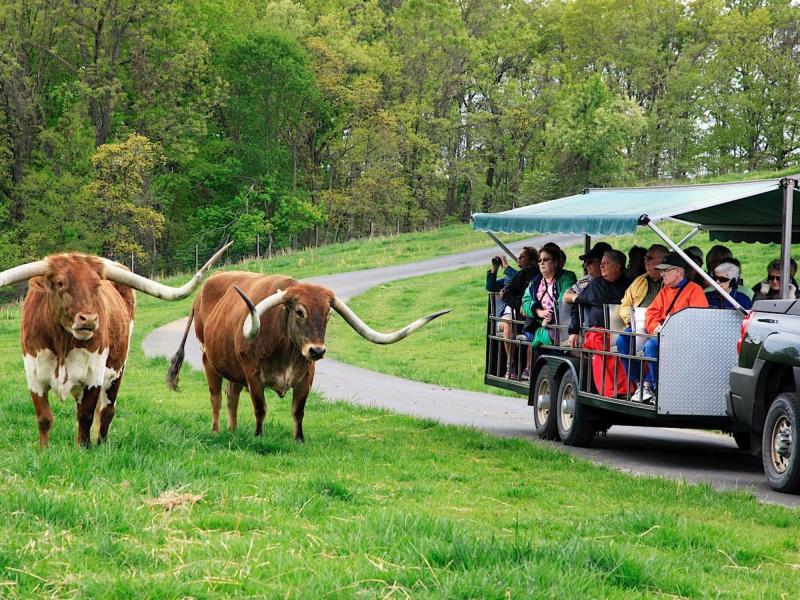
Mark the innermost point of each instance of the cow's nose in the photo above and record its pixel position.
(86, 321)
(316, 352)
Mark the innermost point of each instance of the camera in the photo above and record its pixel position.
(496, 261)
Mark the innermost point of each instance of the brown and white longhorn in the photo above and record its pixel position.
(77, 320)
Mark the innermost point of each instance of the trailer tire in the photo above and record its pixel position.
(573, 428)
(779, 450)
(544, 395)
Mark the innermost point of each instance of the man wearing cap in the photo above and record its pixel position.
(677, 293)
(591, 269)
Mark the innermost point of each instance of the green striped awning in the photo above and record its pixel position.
(742, 211)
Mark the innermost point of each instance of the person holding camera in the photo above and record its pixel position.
(509, 295)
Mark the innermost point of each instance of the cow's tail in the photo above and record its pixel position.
(176, 362)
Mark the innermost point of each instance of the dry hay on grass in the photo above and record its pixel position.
(172, 499)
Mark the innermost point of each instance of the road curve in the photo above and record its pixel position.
(688, 455)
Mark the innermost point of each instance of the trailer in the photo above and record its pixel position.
(699, 347)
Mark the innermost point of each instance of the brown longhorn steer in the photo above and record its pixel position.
(77, 320)
(272, 344)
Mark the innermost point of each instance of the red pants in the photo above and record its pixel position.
(604, 367)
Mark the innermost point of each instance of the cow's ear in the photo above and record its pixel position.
(39, 284)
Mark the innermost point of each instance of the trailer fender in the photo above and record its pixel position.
(558, 366)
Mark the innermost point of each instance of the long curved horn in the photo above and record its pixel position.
(23, 272)
(252, 326)
(113, 272)
(377, 337)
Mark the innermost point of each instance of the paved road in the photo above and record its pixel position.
(692, 456)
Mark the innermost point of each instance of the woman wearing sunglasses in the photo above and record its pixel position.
(726, 274)
(770, 288)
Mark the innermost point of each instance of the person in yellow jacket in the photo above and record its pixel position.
(677, 293)
(640, 293)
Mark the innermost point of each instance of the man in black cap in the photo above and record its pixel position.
(591, 268)
(677, 293)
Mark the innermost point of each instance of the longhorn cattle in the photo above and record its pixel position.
(77, 320)
(272, 344)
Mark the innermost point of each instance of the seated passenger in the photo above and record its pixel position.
(543, 296)
(727, 276)
(635, 262)
(718, 254)
(606, 289)
(696, 254)
(770, 288)
(677, 293)
(591, 269)
(511, 297)
(640, 293)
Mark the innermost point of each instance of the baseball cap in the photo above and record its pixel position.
(671, 261)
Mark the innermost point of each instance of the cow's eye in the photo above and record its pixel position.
(60, 285)
(299, 312)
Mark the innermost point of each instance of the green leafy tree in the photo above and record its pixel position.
(125, 220)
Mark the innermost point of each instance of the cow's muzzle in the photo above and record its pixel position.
(84, 325)
(315, 352)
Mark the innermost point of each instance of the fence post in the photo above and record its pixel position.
(132, 271)
(258, 246)
(196, 257)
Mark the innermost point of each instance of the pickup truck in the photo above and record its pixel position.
(764, 387)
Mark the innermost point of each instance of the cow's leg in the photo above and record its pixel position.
(214, 380)
(108, 409)
(44, 417)
(233, 390)
(256, 389)
(299, 396)
(86, 408)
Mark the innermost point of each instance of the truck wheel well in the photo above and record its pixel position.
(774, 380)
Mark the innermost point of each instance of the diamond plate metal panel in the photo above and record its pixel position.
(697, 350)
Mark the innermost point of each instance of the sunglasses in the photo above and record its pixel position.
(544, 260)
(721, 279)
(774, 277)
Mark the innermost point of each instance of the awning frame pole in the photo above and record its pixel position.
(690, 235)
(503, 247)
(645, 220)
(786, 234)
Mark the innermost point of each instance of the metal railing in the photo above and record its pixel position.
(501, 350)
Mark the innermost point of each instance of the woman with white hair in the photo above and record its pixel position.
(726, 274)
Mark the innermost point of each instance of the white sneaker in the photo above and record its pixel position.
(643, 393)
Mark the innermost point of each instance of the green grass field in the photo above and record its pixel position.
(373, 505)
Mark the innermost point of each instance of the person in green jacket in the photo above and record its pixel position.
(543, 297)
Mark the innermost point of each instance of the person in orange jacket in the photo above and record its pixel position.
(677, 293)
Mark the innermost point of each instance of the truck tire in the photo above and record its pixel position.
(544, 395)
(779, 451)
(573, 428)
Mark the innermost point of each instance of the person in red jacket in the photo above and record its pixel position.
(677, 293)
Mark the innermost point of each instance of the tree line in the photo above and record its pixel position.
(142, 128)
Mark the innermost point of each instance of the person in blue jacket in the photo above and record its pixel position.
(726, 274)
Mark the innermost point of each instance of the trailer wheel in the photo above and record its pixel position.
(544, 394)
(779, 449)
(573, 428)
